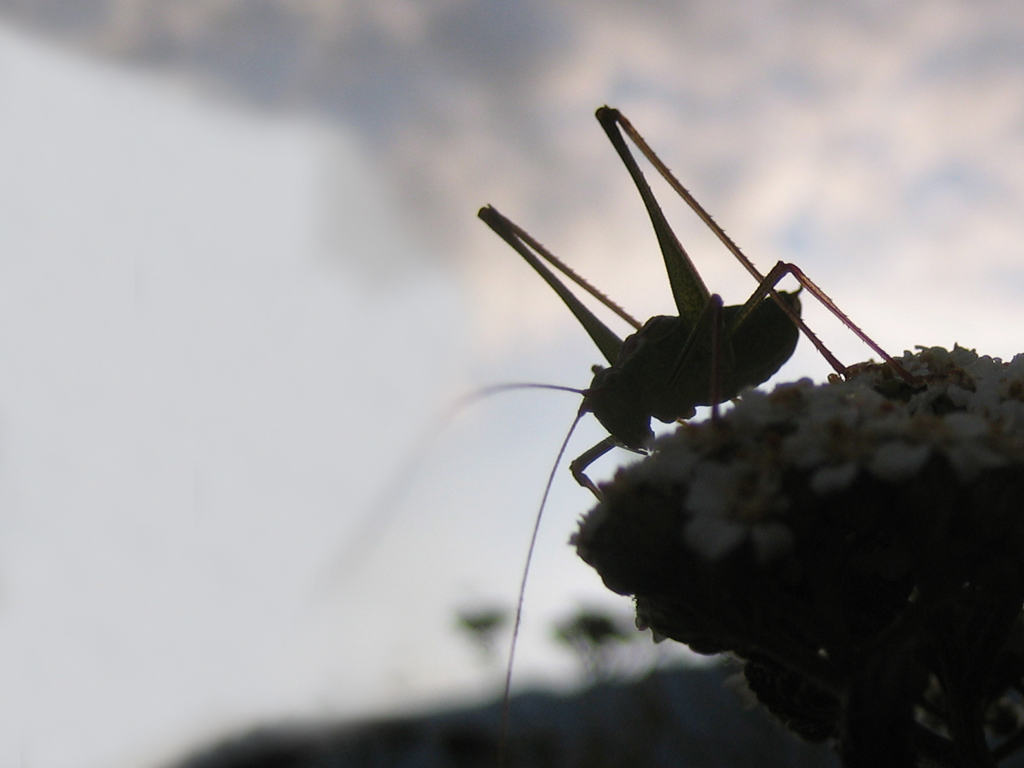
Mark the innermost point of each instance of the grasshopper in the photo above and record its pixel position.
(671, 365)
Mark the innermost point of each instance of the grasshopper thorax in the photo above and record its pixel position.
(640, 384)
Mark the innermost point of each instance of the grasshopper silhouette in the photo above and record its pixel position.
(671, 365)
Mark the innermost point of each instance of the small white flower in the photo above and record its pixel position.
(959, 396)
(713, 536)
(804, 448)
(753, 409)
(898, 460)
(714, 488)
(1015, 369)
(965, 426)
(675, 462)
(960, 356)
(830, 479)
(970, 459)
(1012, 414)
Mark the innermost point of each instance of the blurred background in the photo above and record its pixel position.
(241, 276)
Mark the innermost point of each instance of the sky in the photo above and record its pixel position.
(241, 276)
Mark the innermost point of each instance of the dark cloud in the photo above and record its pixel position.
(463, 102)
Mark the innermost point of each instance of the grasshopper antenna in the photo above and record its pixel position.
(506, 702)
(382, 511)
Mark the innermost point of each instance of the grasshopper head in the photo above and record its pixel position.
(615, 399)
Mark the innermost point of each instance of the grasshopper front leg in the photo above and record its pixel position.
(578, 465)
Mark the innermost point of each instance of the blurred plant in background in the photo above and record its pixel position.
(483, 626)
(594, 636)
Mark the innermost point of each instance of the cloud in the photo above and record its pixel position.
(868, 137)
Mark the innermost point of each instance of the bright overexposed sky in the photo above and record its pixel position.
(241, 274)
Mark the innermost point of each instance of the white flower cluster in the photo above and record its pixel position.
(969, 408)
